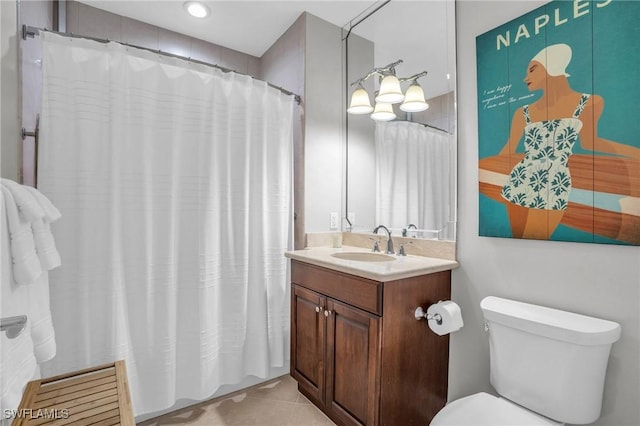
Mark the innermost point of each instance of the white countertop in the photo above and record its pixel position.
(402, 267)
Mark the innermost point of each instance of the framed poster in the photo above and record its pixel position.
(559, 124)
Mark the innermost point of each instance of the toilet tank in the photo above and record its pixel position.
(549, 361)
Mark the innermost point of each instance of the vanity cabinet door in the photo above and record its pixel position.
(353, 368)
(308, 327)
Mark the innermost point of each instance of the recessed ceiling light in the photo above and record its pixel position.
(196, 9)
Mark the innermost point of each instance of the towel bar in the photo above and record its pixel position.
(35, 134)
(13, 325)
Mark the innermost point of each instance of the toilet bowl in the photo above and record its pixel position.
(483, 409)
(547, 365)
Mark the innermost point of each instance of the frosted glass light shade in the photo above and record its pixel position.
(414, 99)
(390, 91)
(383, 112)
(360, 103)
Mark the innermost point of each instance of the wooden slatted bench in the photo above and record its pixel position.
(93, 396)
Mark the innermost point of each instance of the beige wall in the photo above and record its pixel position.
(592, 279)
(324, 145)
(283, 65)
(360, 134)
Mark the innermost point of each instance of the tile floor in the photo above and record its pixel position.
(275, 403)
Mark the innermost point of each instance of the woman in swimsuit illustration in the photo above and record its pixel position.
(538, 187)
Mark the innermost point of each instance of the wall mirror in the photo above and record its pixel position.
(401, 173)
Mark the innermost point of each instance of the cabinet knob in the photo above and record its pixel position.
(318, 308)
(327, 313)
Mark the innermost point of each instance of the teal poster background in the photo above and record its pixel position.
(604, 37)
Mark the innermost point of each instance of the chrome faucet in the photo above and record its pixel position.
(404, 230)
(389, 240)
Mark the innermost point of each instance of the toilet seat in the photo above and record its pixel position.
(483, 409)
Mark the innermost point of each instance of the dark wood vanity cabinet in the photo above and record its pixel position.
(358, 352)
(336, 356)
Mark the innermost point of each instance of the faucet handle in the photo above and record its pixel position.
(401, 251)
(376, 246)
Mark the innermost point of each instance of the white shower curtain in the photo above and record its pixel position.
(175, 185)
(413, 176)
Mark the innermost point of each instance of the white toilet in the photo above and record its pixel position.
(548, 365)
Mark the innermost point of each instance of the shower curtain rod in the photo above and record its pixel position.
(28, 31)
(427, 125)
(433, 127)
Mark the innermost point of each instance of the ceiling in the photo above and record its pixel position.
(418, 31)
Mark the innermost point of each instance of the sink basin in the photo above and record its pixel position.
(363, 256)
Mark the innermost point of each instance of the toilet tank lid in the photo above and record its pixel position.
(549, 322)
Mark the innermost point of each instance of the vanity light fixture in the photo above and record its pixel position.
(390, 93)
(196, 9)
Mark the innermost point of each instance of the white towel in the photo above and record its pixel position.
(40, 321)
(45, 244)
(17, 369)
(28, 251)
(28, 208)
(18, 364)
(25, 261)
(33, 207)
(51, 213)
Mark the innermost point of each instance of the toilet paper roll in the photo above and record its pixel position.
(451, 317)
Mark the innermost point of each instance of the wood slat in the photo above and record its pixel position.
(77, 373)
(110, 417)
(617, 226)
(75, 398)
(85, 414)
(77, 412)
(124, 399)
(28, 396)
(51, 386)
(108, 422)
(81, 386)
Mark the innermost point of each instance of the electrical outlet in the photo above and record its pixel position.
(333, 221)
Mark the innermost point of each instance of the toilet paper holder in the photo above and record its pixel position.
(421, 314)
